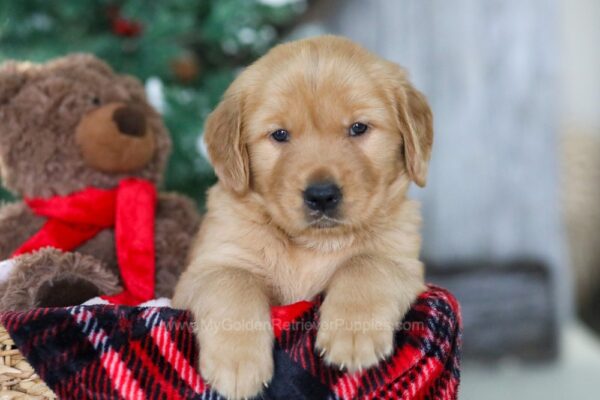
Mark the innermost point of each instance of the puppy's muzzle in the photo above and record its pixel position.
(322, 197)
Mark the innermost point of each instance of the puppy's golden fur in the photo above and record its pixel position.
(258, 245)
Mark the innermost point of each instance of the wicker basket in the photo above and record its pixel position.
(18, 380)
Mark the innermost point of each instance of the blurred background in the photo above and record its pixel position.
(512, 206)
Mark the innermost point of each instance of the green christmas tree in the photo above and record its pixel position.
(186, 51)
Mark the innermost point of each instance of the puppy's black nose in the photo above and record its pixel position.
(322, 196)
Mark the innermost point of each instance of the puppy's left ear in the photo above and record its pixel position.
(416, 126)
(225, 144)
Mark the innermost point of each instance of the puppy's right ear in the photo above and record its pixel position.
(225, 144)
(415, 123)
(13, 76)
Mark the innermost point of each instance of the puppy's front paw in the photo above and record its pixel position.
(354, 338)
(238, 365)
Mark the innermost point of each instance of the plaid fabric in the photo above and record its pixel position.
(119, 352)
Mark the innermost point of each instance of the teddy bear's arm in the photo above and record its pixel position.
(53, 278)
(17, 224)
(177, 221)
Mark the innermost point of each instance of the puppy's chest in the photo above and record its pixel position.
(302, 274)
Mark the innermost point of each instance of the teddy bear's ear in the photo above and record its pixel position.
(81, 60)
(134, 87)
(13, 76)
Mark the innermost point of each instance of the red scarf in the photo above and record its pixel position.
(78, 217)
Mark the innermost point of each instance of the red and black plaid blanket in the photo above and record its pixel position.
(119, 352)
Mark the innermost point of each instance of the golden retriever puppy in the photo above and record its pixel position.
(314, 145)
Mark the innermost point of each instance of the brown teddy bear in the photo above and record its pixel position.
(85, 150)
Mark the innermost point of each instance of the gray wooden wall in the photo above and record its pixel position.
(489, 69)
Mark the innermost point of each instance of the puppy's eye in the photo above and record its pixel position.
(281, 135)
(358, 128)
(96, 101)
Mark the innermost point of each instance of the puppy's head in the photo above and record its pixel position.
(323, 132)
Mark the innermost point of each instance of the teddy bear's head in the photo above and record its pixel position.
(73, 123)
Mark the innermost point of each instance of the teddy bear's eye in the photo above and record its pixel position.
(96, 101)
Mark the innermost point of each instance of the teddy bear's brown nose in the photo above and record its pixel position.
(116, 138)
(130, 121)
